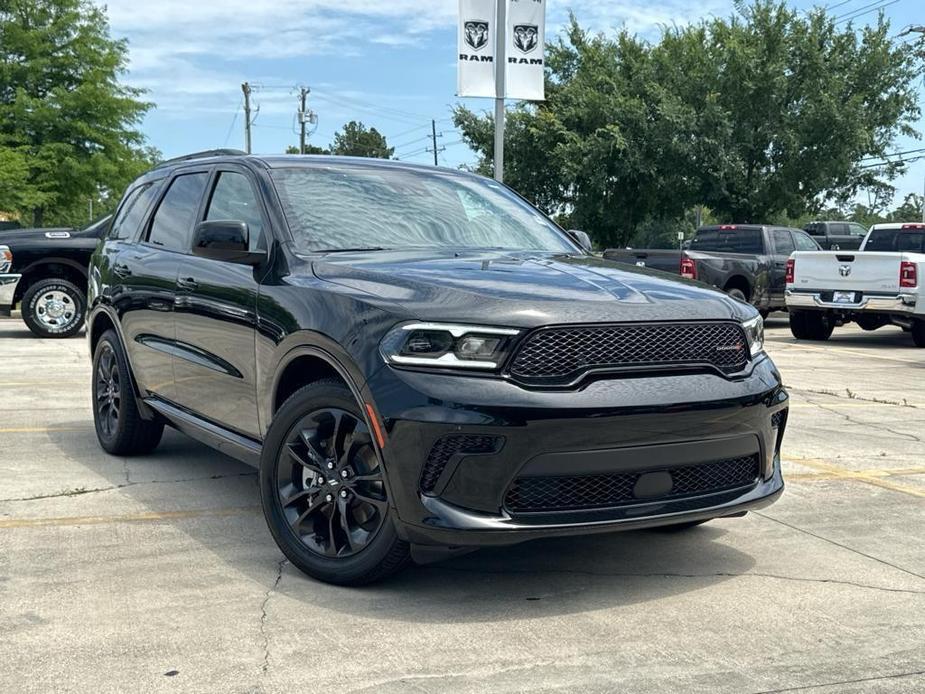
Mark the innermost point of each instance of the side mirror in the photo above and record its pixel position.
(581, 238)
(225, 240)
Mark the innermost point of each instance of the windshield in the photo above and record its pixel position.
(345, 208)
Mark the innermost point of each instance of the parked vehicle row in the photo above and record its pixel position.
(747, 261)
(876, 286)
(420, 363)
(44, 271)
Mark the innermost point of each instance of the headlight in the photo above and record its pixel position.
(754, 333)
(444, 344)
(6, 258)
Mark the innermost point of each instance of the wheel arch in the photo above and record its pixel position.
(63, 268)
(741, 283)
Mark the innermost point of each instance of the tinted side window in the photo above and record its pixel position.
(804, 242)
(857, 230)
(233, 199)
(838, 229)
(815, 229)
(133, 210)
(729, 241)
(783, 242)
(173, 222)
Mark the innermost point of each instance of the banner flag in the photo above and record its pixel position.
(525, 48)
(476, 44)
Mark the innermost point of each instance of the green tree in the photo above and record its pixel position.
(356, 140)
(309, 149)
(68, 126)
(766, 115)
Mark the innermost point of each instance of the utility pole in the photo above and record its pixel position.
(303, 94)
(246, 88)
(500, 34)
(433, 130)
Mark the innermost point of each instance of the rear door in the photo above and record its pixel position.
(840, 238)
(781, 246)
(148, 283)
(216, 314)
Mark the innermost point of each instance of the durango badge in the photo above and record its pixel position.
(476, 34)
(525, 37)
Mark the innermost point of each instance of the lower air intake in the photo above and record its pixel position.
(447, 447)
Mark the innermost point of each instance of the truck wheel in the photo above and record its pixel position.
(119, 426)
(737, 294)
(54, 307)
(323, 489)
(918, 332)
(811, 325)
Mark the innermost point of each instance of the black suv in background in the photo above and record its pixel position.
(837, 236)
(420, 362)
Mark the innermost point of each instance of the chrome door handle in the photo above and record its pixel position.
(188, 283)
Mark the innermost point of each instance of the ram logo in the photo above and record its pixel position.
(844, 270)
(525, 37)
(476, 33)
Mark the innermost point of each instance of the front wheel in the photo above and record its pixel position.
(54, 307)
(323, 489)
(811, 325)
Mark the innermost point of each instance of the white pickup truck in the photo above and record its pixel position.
(882, 283)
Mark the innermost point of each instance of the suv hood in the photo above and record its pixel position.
(15, 235)
(522, 289)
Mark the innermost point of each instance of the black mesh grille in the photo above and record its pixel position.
(447, 447)
(532, 494)
(778, 418)
(561, 354)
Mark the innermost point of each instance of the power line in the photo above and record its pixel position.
(894, 154)
(231, 127)
(854, 14)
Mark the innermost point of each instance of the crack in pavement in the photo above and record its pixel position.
(263, 616)
(838, 544)
(840, 682)
(664, 574)
(877, 427)
(852, 396)
(81, 492)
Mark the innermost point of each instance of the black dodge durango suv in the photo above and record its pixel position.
(420, 362)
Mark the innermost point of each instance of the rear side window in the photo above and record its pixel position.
(895, 240)
(233, 199)
(172, 226)
(857, 230)
(804, 242)
(838, 229)
(783, 242)
(729, 241)
(814, 229)
(133, 210)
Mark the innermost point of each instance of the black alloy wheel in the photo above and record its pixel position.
(330, 483)
(108, 391)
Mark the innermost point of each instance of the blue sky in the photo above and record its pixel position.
(390, 64)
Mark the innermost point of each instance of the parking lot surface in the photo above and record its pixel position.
(158, 574)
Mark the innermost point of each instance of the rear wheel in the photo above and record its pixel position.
(918, 332)
(54, 307)
(811, 325)
(120, 428)
(323, 489)
(737, 294)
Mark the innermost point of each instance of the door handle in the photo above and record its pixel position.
(121, 270)
(188, 283)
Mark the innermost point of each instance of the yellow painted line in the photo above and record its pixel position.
(864, 476)
(155, 516)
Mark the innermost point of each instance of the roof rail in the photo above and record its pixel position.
(203, 155)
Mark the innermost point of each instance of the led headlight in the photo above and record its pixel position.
(754, 333)
(447, 345)
(6, 258)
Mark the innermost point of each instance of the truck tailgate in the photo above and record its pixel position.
(848, 270)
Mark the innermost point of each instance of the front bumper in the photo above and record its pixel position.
(904, 304)
(615, 427)
(8, 284)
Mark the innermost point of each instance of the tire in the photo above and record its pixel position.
(737, 294)
(681, 527)
(320, 457)
(918, 332)
(54, 308)
(811, 325)
(120, 428)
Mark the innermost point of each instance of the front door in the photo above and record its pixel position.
(216, 316)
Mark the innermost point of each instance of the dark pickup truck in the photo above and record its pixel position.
(44, 271)
(836, 236)
(747, 261)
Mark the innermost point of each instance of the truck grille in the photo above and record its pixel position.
(537, 494)
(447, 447)
(563, 354)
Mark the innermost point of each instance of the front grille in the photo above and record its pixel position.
(778, 419)
(561, 354)
(447, 447)
(536, 494)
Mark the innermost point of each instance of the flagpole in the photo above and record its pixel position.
(500, 59)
